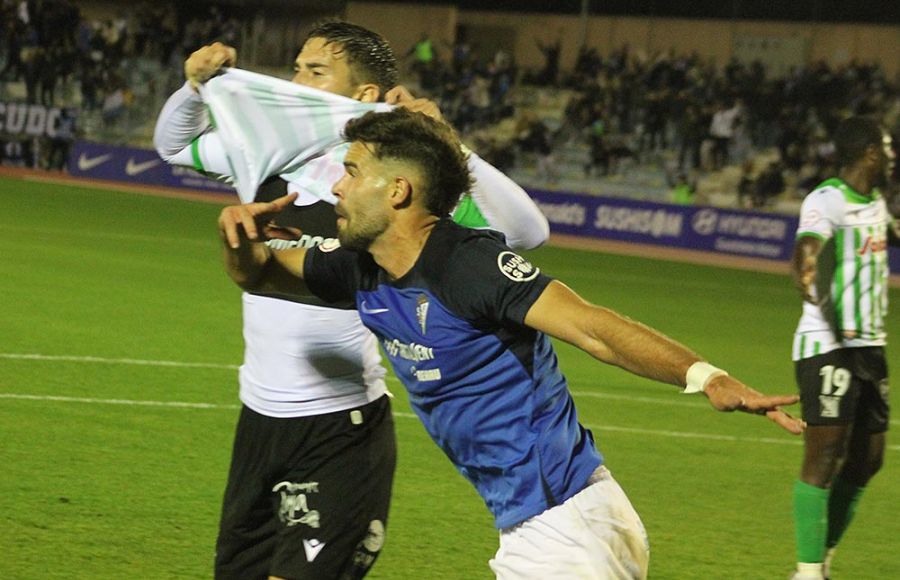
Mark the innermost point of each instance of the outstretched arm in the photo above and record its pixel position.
(618, 340)
(248, 261)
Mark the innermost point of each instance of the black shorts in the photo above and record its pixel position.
(307, 497)
(844, 386)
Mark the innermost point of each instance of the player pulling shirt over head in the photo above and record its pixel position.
(311, 374)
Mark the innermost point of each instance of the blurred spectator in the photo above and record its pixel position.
(424, 61)
(533, 136)
(549, 75)
(61, 144)
(722, 130)
(769, 184)
(598, 163)
(683, 189)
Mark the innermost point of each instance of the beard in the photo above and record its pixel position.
(359, 235)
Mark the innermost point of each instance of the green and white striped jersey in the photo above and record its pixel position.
(852, 271)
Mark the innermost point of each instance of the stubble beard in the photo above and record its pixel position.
(361, 237)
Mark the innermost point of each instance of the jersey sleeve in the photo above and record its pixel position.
(504, 206)
(332, 273)
(821, 213)
(485, 280)
(467, 213)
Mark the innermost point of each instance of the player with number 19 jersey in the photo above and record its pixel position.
(852, 282)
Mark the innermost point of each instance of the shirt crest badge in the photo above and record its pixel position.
(422, 311)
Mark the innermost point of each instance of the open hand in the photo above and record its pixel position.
(726, 393)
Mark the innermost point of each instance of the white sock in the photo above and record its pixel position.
(813, 570)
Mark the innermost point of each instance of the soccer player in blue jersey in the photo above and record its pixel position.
(466, 324)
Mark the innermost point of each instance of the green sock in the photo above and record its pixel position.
(810, 521)
(841, 507)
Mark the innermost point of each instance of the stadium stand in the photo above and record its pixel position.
(625, 123)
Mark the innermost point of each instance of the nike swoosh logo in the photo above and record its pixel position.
(86, 163)
(132, 168)
(312, 549)
(366, 310)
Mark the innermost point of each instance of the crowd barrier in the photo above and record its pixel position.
(135, 165)
(731, 232)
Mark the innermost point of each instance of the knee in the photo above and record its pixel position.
(819, 470)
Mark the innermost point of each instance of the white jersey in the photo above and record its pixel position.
(303, 358)
(852, 273)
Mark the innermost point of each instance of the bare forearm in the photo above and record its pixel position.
(246, 264)
(620, 341)
(609, 336)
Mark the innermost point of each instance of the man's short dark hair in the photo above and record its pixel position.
(429, 144)
(853, 136)
(369, 55)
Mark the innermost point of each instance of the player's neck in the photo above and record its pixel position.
(399, 247)
(858, 179)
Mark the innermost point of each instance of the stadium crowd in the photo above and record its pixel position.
(111, 72)
(680, 112)
(643, 108)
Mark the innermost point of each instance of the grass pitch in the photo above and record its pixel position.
(119, 340)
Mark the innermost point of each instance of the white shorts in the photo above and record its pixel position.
(595, 534)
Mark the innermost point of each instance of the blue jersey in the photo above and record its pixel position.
(487, 388)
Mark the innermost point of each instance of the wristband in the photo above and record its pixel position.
(698, 375)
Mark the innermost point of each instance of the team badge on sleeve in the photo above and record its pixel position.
(516, 268)
(329, 245)
(810, 219)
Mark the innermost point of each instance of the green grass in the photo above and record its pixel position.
(92, 488)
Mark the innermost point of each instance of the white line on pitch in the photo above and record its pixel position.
(667, 401)
(128, 402)
(115, 361)
(598, 428)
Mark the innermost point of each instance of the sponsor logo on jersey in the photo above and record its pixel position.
(86, 163)
(312, 547)
(132, 168)
(516, 268)
(422, 310)
(873, 245)
(304, 241)
(294, 508)
(408, 351)
(426, 375)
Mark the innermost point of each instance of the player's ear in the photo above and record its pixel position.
(367, 93)
(401, 192)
